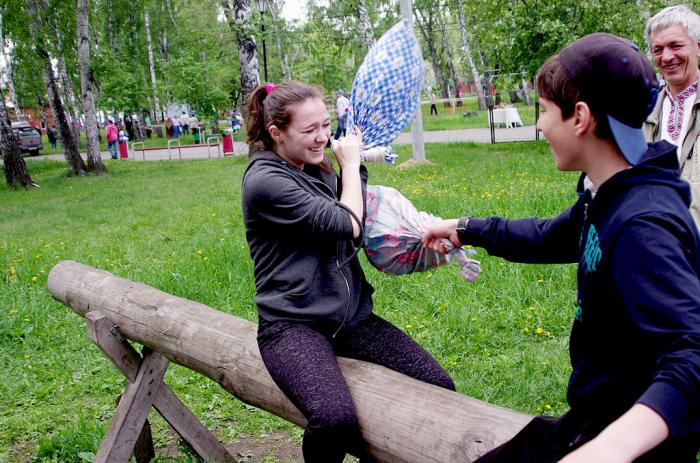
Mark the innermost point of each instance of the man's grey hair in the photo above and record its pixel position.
(678, 15)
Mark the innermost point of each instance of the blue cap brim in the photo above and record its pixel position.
(629, 139)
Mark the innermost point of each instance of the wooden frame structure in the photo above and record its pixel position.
(401, 419)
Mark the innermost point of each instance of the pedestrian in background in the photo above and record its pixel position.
(342, 111)
(112, 138)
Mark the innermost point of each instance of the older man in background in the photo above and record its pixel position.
(673, 35)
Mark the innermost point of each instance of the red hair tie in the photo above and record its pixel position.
(270, 87)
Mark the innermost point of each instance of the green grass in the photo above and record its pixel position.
(177, 226)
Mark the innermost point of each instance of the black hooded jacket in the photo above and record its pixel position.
(301, 242)
(636, 329)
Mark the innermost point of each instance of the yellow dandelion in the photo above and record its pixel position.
(526, 329)
(408, 326)
(548, 407)
(538, 330)
(206, 257)
(29, 366)
(34, 278)
(199, 251)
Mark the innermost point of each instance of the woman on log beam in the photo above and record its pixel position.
(303, 222)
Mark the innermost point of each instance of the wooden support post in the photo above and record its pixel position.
(127, 423)
(119, 443)
(143, 448)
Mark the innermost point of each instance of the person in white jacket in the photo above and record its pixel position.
(342, 108)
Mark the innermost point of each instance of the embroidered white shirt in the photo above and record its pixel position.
(675, 116)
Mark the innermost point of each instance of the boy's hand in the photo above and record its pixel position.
(438, 230)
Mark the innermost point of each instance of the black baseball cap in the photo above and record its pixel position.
(615, 78)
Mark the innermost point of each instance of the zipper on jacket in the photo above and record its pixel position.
(320, 185)
(347, 286)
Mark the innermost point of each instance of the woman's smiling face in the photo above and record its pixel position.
(304, 139)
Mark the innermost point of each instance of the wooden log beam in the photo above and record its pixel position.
(402, 419)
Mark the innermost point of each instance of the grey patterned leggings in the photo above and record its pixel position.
(301, 358)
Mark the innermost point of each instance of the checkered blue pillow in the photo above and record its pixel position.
(386, 91)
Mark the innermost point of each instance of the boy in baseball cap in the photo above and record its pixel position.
(635, 343)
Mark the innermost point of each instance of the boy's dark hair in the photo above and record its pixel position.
(553, 84)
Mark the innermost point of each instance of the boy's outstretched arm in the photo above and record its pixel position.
(553, 240)
(636, 432)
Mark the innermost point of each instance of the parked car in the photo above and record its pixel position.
(29, 138)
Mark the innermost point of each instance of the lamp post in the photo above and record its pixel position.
(261, 8)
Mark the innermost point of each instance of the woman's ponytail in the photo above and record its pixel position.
(258, 136)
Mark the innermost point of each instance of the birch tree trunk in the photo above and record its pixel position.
(74, 162)
(366, 29)
(15, 168)
(72, 102)
(164, 42)
(164, 45)
(470, 60)
(44, 115)
(486, 84)
(526, 91)
(426, 28)
(274, 14)
(169, 9)
(447, 53)
(110, 25)
(238, 18)
(10, 61)
(151, 64)
(87, 83)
